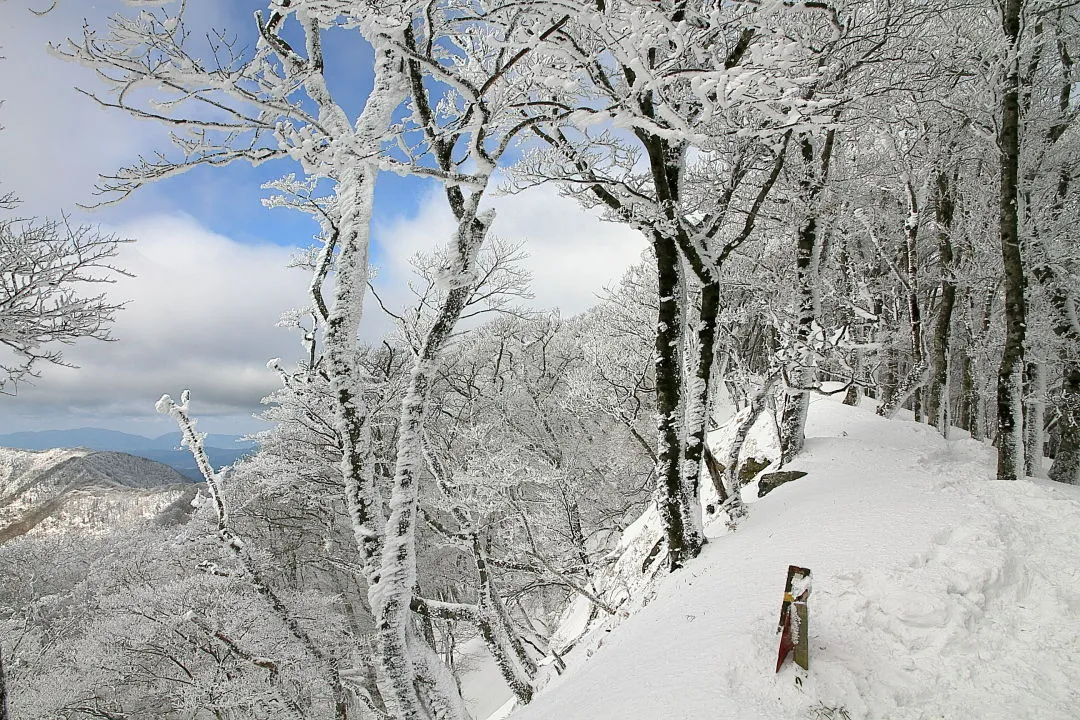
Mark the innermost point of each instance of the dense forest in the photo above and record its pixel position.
(869, 198)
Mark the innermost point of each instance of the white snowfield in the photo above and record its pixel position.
(938, 593)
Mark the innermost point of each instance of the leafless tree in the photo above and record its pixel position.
(46, 267)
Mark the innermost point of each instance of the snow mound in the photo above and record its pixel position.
(939, 592)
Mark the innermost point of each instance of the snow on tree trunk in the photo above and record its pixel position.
(696, 416)
(1066, 466)
(915, 323)
(669, 491)
(937, 401)
(355, 195)
(391, 594)
(793, 422)
(1010, 405)
(1034, 418)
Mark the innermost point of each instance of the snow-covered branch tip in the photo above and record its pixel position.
(194, 441)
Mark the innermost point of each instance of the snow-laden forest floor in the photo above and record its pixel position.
(938, 592)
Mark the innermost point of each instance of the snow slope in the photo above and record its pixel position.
(939, 592)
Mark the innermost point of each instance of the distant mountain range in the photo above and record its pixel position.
(222, 449)
(62, 489)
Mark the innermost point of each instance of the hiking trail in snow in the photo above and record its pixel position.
(939, 592)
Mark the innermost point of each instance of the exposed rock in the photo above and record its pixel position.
(773, 480)
(750, 468)
(652, 554)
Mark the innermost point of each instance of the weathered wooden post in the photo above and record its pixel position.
(794, 628)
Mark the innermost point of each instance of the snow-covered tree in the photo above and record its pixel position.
(48, 271)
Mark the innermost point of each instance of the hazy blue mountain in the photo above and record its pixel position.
(171, 441)
(92, 438)
(222, 449)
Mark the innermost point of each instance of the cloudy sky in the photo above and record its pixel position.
(209, 261)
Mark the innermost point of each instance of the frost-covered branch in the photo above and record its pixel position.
(45, 267)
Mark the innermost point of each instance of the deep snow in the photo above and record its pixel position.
(939, 592)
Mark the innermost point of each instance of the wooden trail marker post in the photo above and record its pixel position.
(793, 626)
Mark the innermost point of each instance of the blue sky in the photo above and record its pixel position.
(210, 259)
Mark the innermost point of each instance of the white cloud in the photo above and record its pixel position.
(203, 308)
(201, 315)
(55, 141)
(573, 254)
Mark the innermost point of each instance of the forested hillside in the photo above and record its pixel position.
(96, 492)
(868, 200)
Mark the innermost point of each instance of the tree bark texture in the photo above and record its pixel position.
(793, 423)
(668, 402)
(1034, 417)
(1066, 467)
(666, 159)
(937, 397)
(914, 307)
(1010, 405)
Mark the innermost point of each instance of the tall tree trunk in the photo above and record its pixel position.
(978, 365)
(668, 402)
(391, 594)
(967, 389)
(915, 322)
(412, 689)
(1010, 405)
(793, 422)
(937, 400)
(1034, 418)
(1066, 467)
(697, 405)
(666, 161)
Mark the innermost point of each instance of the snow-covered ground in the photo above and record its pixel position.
(938, 592)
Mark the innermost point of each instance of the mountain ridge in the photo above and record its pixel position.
(104, 439)
(222, 449)
(101, 491)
